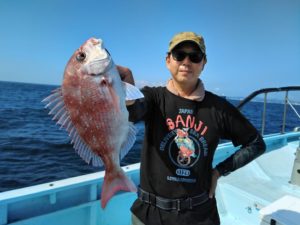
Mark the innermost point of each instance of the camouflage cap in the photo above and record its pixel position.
(187, 36)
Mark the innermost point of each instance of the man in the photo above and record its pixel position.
(183, 126)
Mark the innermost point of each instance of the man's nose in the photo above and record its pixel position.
(186, 61)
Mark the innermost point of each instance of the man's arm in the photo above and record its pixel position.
(136, 108)
(237, 160)
(243, 156)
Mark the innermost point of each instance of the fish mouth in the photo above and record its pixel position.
(99, 66)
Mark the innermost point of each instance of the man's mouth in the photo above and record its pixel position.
(185, 71)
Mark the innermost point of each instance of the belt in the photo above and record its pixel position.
(172, 204)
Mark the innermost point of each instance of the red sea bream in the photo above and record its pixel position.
(90, 105)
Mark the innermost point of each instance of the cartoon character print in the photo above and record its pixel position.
(185, 145)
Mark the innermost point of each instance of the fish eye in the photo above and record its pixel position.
(80, 56)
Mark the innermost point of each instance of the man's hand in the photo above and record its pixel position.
(125, 74)
(214, 181)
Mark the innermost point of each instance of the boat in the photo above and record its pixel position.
(266, 191)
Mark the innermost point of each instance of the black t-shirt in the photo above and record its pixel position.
(181, 137)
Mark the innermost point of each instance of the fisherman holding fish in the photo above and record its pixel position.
(177, 188)
(183, 126)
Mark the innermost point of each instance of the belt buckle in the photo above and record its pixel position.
(189, 204)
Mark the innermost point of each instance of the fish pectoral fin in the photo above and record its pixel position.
(132, 92)
(129, 141)
(56, 105)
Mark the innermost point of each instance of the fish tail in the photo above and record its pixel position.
(113, 184)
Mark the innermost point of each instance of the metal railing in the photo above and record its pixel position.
(266, 91)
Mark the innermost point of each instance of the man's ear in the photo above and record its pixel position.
(168, 61)
(204, 63)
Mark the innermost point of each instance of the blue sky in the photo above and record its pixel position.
(250, 44)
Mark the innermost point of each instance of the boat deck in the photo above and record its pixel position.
(241, 195)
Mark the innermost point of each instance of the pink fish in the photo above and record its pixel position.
(91, 106)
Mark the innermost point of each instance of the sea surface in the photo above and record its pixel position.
(33, 150)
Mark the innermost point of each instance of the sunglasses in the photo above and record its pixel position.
(195, 57)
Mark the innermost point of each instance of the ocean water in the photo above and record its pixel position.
(34, 150)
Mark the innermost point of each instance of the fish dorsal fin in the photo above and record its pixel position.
(132, 92)
(130, 140)
(56, 105)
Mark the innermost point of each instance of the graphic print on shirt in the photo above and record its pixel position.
(186, 147)
(185, 143)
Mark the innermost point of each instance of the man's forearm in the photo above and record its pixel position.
(243, 156)
(137, 110)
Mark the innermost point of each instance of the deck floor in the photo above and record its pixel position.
(263, 181)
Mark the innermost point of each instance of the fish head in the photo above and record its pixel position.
(90, 60)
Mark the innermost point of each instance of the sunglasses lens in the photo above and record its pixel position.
(178, 55)
(195, 57)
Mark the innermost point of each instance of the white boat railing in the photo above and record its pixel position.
(266, 91)
(289, 102)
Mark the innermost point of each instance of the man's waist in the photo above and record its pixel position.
(172, 203)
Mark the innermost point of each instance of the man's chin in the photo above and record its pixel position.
(185, 76)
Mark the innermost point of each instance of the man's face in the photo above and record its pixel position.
(182, 67)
